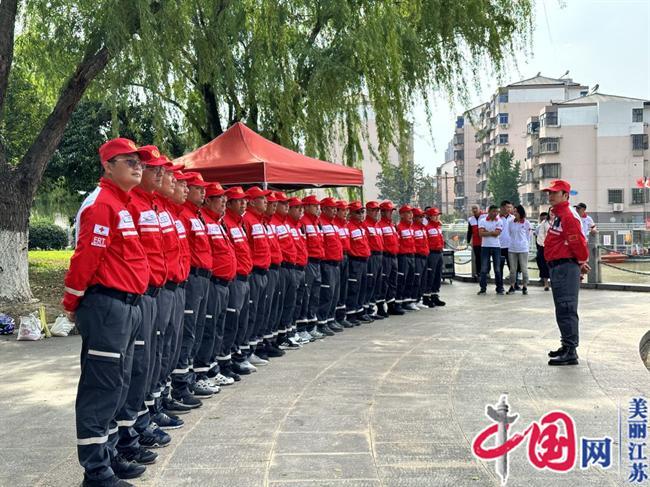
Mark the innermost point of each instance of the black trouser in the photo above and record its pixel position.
(243, 300)
(108, 328)
(405, 276)
(476, 249)
(356, 277)
(287, 304)
(566, 285)
(164, 308)
(389, 271)
(277, 302)
(343, 289)
(434, 273)
(329, 289)
(419, 277)
(196, 303)
(541, 263)
(133, 417)
(504, 260)
(312, 293)
(301, 289)
(373, 269)
(378, 293)
(238, 293)
(258, 281)
(268, 312)
(172, 351)
(215, 318)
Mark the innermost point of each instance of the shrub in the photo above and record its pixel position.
(47, 236)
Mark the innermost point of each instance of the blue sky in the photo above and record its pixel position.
(598, 41)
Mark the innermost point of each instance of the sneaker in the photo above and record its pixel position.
(202, 388)
(222, 380)
(325, 330)
(141, 456)
(273, 351)
(190, 401)
(125, 469)
(113, 481)
(511, 290)
(316, 334)
(411, 307)
(173, 406)
(294, 340)
(153, 437)
(435, 300)
(395, 309)
(422, 305)
(381, 311)
(305, 337)
(289, 345)
(482, 291)
(335, 327)
(363, 318)
(165, 422)
(346, 324)
(241, 369)
(229, 374)
(524, 290)
(257, 361)
(500, 293)
(248, 366)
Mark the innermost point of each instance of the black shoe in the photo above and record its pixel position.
(153, 437)
(141, 456)
(190, 401)
(335, 327)
(376, 317)
(557, 353)
(165, 422)
(524, 290)
(436, 301)
(517, 288)
(346, 324)
(500, 293)
(482, 291)
(238, 369)
(113, 481)
(381, 311)
(229, 373)
(364, 318)
(511, 290)
(124, 469)
(273, 351)
(262, 353)
(325, 330)
(173, 406)
(568, 357)
(396, 310)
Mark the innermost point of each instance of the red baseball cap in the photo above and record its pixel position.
(280, 197)
(417, 212)
(181, 176)
(406, 208)
(328, 202)
(271, 198)
(256, 192)
(157, 158)
(295, 202)
(355, 206)
(558, 185)
(433, 211)
(310, 200)
(372, 205)
(214, 189)
(387, 205)
(196, 180)
(342, 204)
(119, 146)
(235, 193)
(170, 166)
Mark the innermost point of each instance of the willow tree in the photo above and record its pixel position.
(303, 72)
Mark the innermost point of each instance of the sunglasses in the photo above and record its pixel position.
(157, 170)
(132, 163)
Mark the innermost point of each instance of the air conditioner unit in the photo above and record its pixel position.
(617, 207)
(504, 125)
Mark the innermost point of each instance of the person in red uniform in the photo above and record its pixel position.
(224, 267)
(235, 344)
(330, 269)
(261, 253)
(136, 432)
(274, 289)
(421, 254)
(405, 259)
(358, 257)
(567, 253)
(287, 305)
(341, 224)
(184, 383)
(474, 239)
(311, 228)
(107, 277)
(389, 268)
(371, 301)
(302, 258)
(434, 260)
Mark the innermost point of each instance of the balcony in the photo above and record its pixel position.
(529, 199)
(459, 155)
(459, 203)
(459, 171)
(459, 189)
(480, 186)
(532, 128)
(549, 145)
(549, 171)
(459, 139)
(548, 119)
(639, 144)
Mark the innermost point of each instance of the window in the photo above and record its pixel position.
(503, 118)
(549, 145)
(532, 127)
(543, 198)
(584, 93)
(503, 139)
(637, 115)
(639, 142)
(614, 196)
(550, 171)
(548, 119)
(639, 196)
(503, 97)
(529, 152)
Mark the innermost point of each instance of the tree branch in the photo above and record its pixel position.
(8, 9)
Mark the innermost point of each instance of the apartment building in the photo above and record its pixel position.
(464, 157)
(599, 143)
(445, 183)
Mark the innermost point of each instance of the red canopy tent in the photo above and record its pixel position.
(240, 156)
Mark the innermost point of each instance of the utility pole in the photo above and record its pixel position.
(446, 194)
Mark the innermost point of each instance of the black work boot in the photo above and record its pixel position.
(395, 309)
(436, 301)
(381, 311)
(568, 357)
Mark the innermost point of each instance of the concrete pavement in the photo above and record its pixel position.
(394, 403)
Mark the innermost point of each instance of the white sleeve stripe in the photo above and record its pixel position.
(74, 292)
(99, 353)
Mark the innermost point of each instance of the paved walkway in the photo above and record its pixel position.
(394, 403)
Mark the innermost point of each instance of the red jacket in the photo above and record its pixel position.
(233, 223)
(341, 226)
(224, 262)
(314, 234)
(200, 251)
(359, 246)
(108, 250)
(284, 238)
(332, 247)
(434, 234)
(375, 239)
(299, 240)
(257, 238)
(276, 252)
(420, 239)
(144, 208)
(389, 234)
(472, 231)
(565, 239)
(405, 238)
(185, 253)
(171, 242)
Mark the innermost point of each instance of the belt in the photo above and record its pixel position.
(199, 271)
(299, 267)
(218, 280)
(152, 291)
(388, 254)
(171, 285)
(435, 252)
(261, 271)
(408, 255)
(242, 277)
(376, 252)
(557, 262)
(330, 262)
(274, 266)
(288, 265)
(128, 298)
(314, 260)
(358, 259)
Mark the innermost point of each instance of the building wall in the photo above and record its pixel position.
(445, 183)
